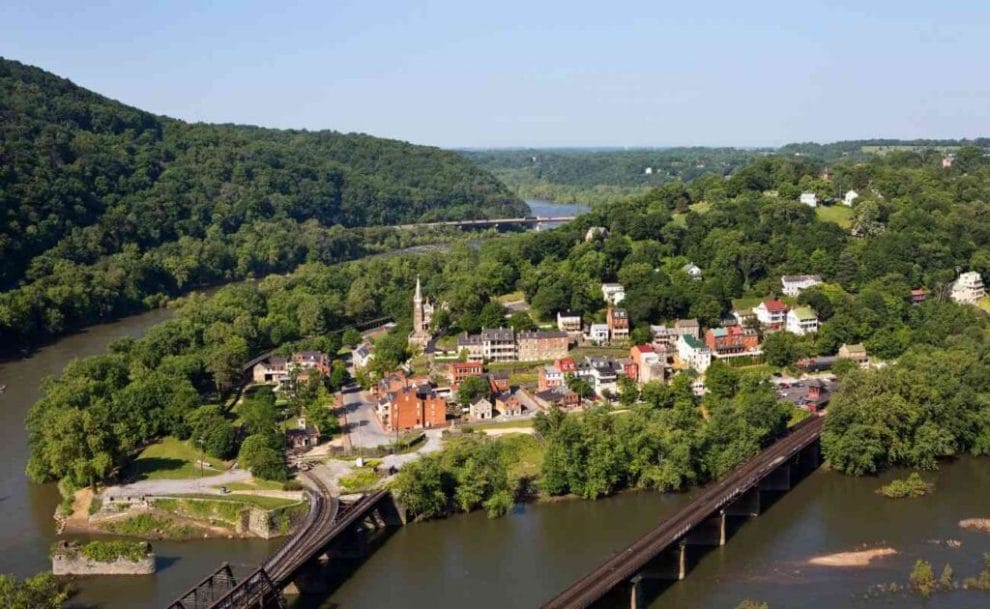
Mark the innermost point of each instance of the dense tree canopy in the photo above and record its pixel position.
(89, 188)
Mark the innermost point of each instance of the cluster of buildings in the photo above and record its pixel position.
(507, 345)
(811, 199)
(775, 315)
(278, 370)
(616, 326)
(405, 403)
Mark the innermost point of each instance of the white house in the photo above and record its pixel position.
(851, 196)
(693, 271)
(361, 356)
(480, 409)
(801, 321)
(613, 293)
(793, 284)
(809, 198)
(772, 313)
(597, 333)
(692, 352)
(968, 288)
(568, 322)
(596, 232)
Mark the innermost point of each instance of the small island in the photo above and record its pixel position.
(912, 486)
(103, 558)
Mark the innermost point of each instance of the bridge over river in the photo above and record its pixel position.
(491, 222)
(335, 531)
(332, 531)
(661, 555)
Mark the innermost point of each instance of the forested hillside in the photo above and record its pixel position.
(603, 176)
(84, 178)
(607, 176)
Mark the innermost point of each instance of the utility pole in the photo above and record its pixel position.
(201, 456)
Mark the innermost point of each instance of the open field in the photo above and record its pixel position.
(839, 214)
(173, 459)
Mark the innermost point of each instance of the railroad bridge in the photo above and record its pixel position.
(333, 538)
(664, 554)
(491, 222)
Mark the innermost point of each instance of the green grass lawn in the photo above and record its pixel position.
(255, 485)
(447, 342)
(984, 303)
(524, 378)
(498, 425)
(580, 352)
(172, 459)
(363, 479)
(798, 415)
(839, 214)
(701, 207)
(512, 297)
(529, 451)
(266, 503)
(740, 304)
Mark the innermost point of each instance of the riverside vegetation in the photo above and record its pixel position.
(918, 222)
(912, 486)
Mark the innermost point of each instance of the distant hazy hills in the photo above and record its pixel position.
(83, 176)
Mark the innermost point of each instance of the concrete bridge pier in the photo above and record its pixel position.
(710, 532)
(808, 460)
(669, 567)
(748, 505)
(777, 480)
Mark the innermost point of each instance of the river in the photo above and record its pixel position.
(532, 553)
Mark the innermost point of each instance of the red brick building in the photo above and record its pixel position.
(618, 323)
(409, 410)
(462, 370)
(733, 340)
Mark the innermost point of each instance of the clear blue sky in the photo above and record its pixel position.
(535, 73)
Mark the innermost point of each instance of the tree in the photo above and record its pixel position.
(40, 591)
(257, 413)
(781, 348)
(224, 362)
(946, 581)
(922, 578)
(262, 455)
(628, 391)
(492, 315)
(520, 321)
(580, 386)
(471, 389)
(351, 338)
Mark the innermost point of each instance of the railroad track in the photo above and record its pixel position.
(628, 562)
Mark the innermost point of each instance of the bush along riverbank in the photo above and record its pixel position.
(912, 486)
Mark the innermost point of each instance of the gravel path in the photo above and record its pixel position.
(170, 487)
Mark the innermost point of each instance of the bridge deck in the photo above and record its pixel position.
(716, 496)
(489, 222)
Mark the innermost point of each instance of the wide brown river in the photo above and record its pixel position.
(529, 555)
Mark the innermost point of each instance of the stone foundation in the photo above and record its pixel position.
(66, 560)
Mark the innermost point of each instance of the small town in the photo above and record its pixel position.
(351, 305)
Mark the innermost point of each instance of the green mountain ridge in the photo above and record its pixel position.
(83, 176)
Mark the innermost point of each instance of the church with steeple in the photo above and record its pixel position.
(422, 317)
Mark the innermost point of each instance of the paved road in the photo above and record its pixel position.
(362, 425)
(169, 487)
